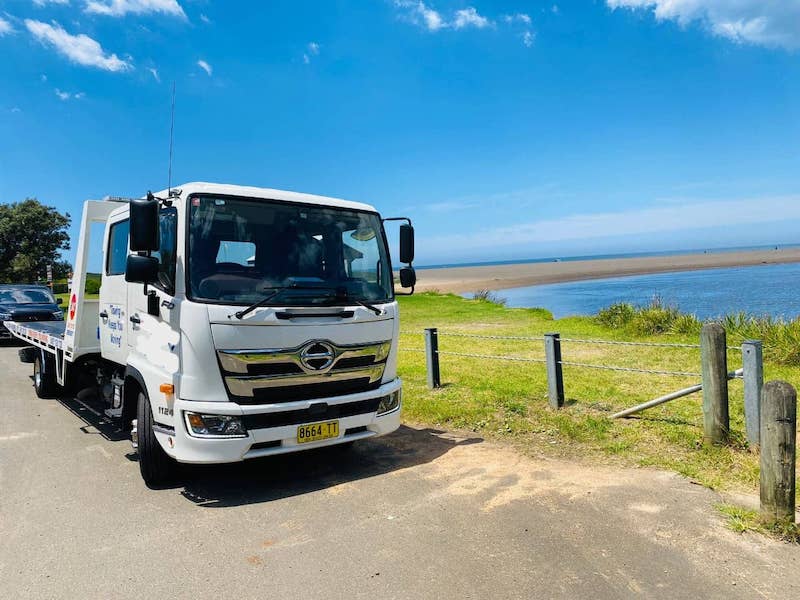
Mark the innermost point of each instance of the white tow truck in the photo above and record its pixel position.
(233, 322)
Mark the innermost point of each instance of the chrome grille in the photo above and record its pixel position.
(306, 371)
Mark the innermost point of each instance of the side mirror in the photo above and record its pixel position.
(408, 277)
(406, 245)
(141, 269)
(59, 301)
(144, 233)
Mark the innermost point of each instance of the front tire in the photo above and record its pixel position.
(155, 465)
(44, 376)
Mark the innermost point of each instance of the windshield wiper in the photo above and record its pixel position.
(275, 291)
(241, 313)
(339, 293)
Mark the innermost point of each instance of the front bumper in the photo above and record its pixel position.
(266, 441)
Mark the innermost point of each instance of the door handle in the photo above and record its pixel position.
(103, 314)
(135, 319)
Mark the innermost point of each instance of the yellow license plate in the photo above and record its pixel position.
(317, 431)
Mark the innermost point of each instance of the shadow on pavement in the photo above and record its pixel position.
(285, 475)
(282, 476)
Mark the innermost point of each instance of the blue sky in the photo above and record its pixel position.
(505, 129)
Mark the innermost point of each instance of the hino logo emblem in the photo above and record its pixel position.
(317, 356)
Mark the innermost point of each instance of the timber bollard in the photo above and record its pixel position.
(778, 451)
(753, 374)
(432, 357)
(555, 377)
(716, 422)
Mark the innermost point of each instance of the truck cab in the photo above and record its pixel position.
(237, 322)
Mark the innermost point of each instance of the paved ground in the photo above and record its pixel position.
(419, 514)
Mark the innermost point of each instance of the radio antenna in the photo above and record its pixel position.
(171, 130)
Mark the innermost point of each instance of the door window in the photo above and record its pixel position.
(117, 248)
(166, 254)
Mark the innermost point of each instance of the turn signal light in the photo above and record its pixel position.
(166, 388)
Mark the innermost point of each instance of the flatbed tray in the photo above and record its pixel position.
(47, 334)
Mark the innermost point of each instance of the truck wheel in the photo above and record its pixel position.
(44, 376)
(155, 465)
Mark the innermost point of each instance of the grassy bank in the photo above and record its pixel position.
(509, 400)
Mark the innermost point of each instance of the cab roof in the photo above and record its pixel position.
(224, 189)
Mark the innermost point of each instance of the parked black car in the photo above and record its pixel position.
(27, 303)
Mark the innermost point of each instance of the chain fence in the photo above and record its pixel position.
(713, 359)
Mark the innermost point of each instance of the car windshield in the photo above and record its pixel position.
(26, 297)
(241, 248)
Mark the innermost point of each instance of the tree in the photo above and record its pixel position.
(31, 237)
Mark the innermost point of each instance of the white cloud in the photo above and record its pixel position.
(64, 96)
(519, 17)
(120, 8)
(15, 109)
(312, 50)
(46, 2)
(205, 19)
(773, 23)
(654, 219)
(469, 17)
(527, 38)
(154, 73)
(419, 13)
(80, 49)
(43, 78)
(5, 27)
(205, 66)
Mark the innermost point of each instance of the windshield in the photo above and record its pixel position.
(26, 297)
(241, 248)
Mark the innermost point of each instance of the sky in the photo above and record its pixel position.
(506, 129)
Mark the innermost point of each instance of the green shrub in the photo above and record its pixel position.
(617, 315)
(488, 296)
(92, 286)
(781, 338)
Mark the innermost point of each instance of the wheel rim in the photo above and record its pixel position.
(37, 374)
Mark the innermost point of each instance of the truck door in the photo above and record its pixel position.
(113, 321)
(155, 335)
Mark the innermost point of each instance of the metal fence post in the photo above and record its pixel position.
(713, 350)
(432, 357)
(555, 377)
(778, 450)
(753, 367)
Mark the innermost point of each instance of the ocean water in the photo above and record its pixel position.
(758, 290)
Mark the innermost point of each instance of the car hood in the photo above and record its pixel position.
(38, 307)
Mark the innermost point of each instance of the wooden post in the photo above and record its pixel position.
(753, 367)
(432, 357)
(716, 422)
(555, 377)
(778, 450)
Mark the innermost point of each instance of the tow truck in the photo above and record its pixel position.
(232, 323)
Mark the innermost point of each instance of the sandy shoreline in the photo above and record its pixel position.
(462, 280)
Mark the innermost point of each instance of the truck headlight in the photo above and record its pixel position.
(5, 316)
(58, 315)
(389, 403)
(215, 425)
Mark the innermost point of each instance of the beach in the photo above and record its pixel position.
(462, 280)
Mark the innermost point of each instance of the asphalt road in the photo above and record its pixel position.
(419, 514)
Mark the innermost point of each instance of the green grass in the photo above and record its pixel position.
(509, 399)
(742, 520)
